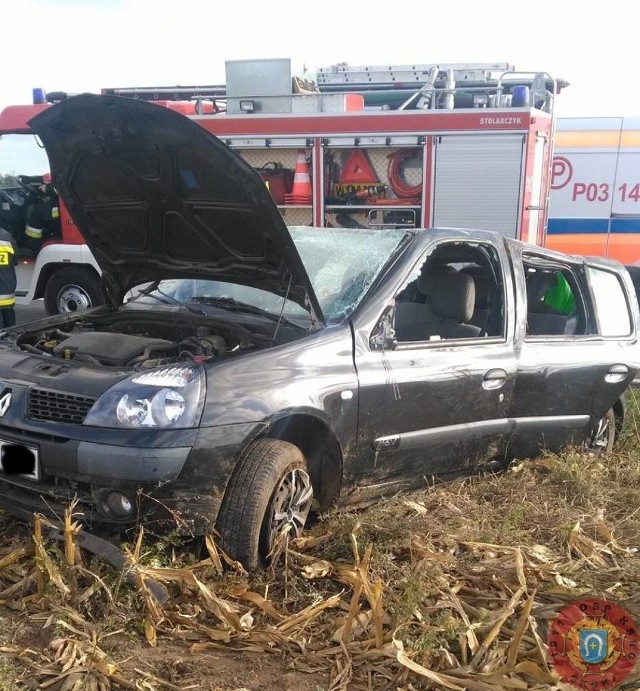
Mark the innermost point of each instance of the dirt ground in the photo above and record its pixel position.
(451, 587)
(169, 666)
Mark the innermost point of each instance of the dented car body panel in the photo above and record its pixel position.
(438, 352)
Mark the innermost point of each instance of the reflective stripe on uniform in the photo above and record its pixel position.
(35, 233)
(7, 300)
(6, 252)
(55, 212)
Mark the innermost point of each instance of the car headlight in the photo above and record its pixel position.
(166, 397)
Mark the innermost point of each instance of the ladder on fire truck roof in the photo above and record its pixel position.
(407, 75)
(394, 86)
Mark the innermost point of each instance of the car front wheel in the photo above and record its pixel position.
(269, 495)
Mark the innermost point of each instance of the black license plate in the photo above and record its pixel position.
(19, 460)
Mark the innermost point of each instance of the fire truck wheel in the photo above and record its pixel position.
(72, 290)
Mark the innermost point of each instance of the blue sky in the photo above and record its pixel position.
(83, 45)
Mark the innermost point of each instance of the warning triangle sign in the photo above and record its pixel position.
(358, 170)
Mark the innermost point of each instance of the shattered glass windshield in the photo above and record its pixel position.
(342, 263)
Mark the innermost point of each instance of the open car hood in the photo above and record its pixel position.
(156, 196)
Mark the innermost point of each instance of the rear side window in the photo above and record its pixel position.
(612, 309)
(555, 306)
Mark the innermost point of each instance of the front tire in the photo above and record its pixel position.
(72, 290)
(269, 493)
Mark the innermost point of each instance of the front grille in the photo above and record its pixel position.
(54, 406)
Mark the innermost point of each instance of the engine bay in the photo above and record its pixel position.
(141, 343)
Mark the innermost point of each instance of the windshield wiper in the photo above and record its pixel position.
(166, 299)
(234, 305)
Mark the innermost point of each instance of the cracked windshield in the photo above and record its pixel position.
(341, 264)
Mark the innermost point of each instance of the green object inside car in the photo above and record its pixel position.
(560, 296)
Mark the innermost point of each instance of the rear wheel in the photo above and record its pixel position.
(72, 290)
(603, 436)
(269, 495)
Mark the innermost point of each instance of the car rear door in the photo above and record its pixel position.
(616, 319)
(564, 363)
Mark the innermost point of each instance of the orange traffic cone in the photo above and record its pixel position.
(301, 190)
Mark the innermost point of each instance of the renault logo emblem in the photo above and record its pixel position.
(5, 402)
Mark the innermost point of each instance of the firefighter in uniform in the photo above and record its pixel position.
(43, 217)
(8, 259)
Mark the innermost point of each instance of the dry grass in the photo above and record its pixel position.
(448, 588)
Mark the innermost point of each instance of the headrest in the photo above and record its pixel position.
(453, 297)
(538, 284)
(429, 276)
(481, 282)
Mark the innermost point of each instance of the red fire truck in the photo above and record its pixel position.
(464, 145)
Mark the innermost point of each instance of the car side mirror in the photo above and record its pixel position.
(383, 337)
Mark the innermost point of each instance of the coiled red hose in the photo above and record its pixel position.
(394, 174)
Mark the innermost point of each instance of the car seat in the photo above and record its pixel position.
(543, 319)
(482, 313)
(452, 301)
(412, 315)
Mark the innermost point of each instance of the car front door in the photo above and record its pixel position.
(436, 402)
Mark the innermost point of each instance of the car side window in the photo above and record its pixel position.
(555, 306)
(456, 292)
(611, 306)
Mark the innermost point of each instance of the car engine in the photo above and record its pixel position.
(142, 344)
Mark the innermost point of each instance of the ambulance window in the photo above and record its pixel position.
(612, 308)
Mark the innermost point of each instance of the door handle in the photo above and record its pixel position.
(616, 373)
(494, 379)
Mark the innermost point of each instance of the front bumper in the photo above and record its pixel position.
(173, 479)
(172, 511)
